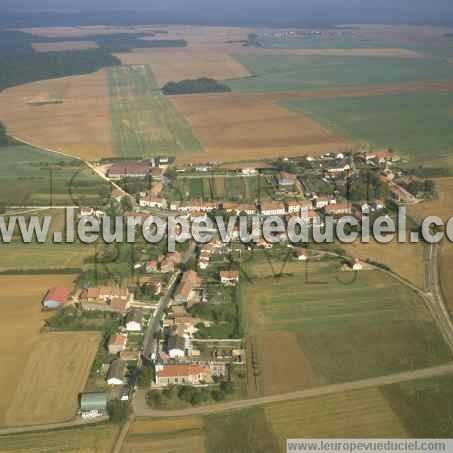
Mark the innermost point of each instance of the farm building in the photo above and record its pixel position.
(186, 291)
(117, 343)
(93, 404)
(285, 179)
(56, 298)
(273, 208)
(176, 346)
(183, 374)
(120, 170)
(116, 372)
(229, 277)
(134, 321)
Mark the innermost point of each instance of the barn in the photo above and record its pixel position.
(56, 298)
(93, 404)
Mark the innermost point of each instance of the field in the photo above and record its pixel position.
(33, 177)
(222, 188)
(186, 64)
(293, 73)
(63, 45)
(233, 127)
(144, 122)
(79, 126)
(22, 320)
(406, 260)
(390, 121)
(54, 375)
(89, 439)
(346, 327)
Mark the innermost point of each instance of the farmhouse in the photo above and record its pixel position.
(117, 343)
(93, 404)
(56, 298)
(338, 209)
(104, 294)
(176, 346)
(229, 277)
(116, 372)
(134, 321)
(272, 208)
(186, 291)
(121, 170)
(183, 374)
(285, 179)
(152, 201)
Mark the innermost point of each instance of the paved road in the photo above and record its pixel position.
(142, 410)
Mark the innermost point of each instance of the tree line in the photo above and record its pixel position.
(190, 86)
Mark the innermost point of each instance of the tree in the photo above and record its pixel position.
(3, 135)
(118, 411)
(145, 377)
(227, 387)
(126, 204)
(154, 398)
(218, 395)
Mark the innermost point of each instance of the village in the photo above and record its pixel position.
(171, 330)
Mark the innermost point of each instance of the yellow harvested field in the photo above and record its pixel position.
(54, 375)
(21, 320)
(233, 126)
(63, 45)
(361, 413)
(406, 259)
(71, 114)
(277, 373)
(178, 64)
(167, 436)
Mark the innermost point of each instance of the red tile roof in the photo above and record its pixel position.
(58, 294)
(182, 370)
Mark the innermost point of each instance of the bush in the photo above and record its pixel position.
(218, 395)
(118, 411)
(227, 387)
(203, 85)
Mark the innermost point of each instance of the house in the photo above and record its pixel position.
(152, 201)
(323, 201)
(170, 261)
(129, 169)
(338, 209)
(104, 294)
(272, 208)
(117, 343)
(115, 375)
(183, 374)
(119, 305)
(56, 298)
(134, 321)
(229, 277)
(176, 346)
(285, 179)
(151, 266)
(93, 404)
(249, 171)
(301, 254)
(357, 265)
(130, 356)
(87, 212)
(186, 294)
(382, 156)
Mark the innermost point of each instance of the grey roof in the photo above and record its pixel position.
(135, 315)
(93, 401)
(116, 369)
(176, 342)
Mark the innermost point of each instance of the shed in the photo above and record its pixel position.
(56, 297)
(95, 401)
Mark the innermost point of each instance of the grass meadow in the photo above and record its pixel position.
(293, 73)
(336, 326)
(418, 125)
(145, 122)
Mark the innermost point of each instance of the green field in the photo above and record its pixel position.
(346, 328)
(33, 177)
(418, 125)
(222, 188)
(289, 72)
(144, 122)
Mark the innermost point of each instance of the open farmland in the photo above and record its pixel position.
(390, 121)
(233, 126)
(289, 72)
(144, 122)
(185, 64)
(54, 375)
(70, 114)
(222, 188)
(33, 177)
(167, 436)
(22, 319)
(347, 327)
(99, 438)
